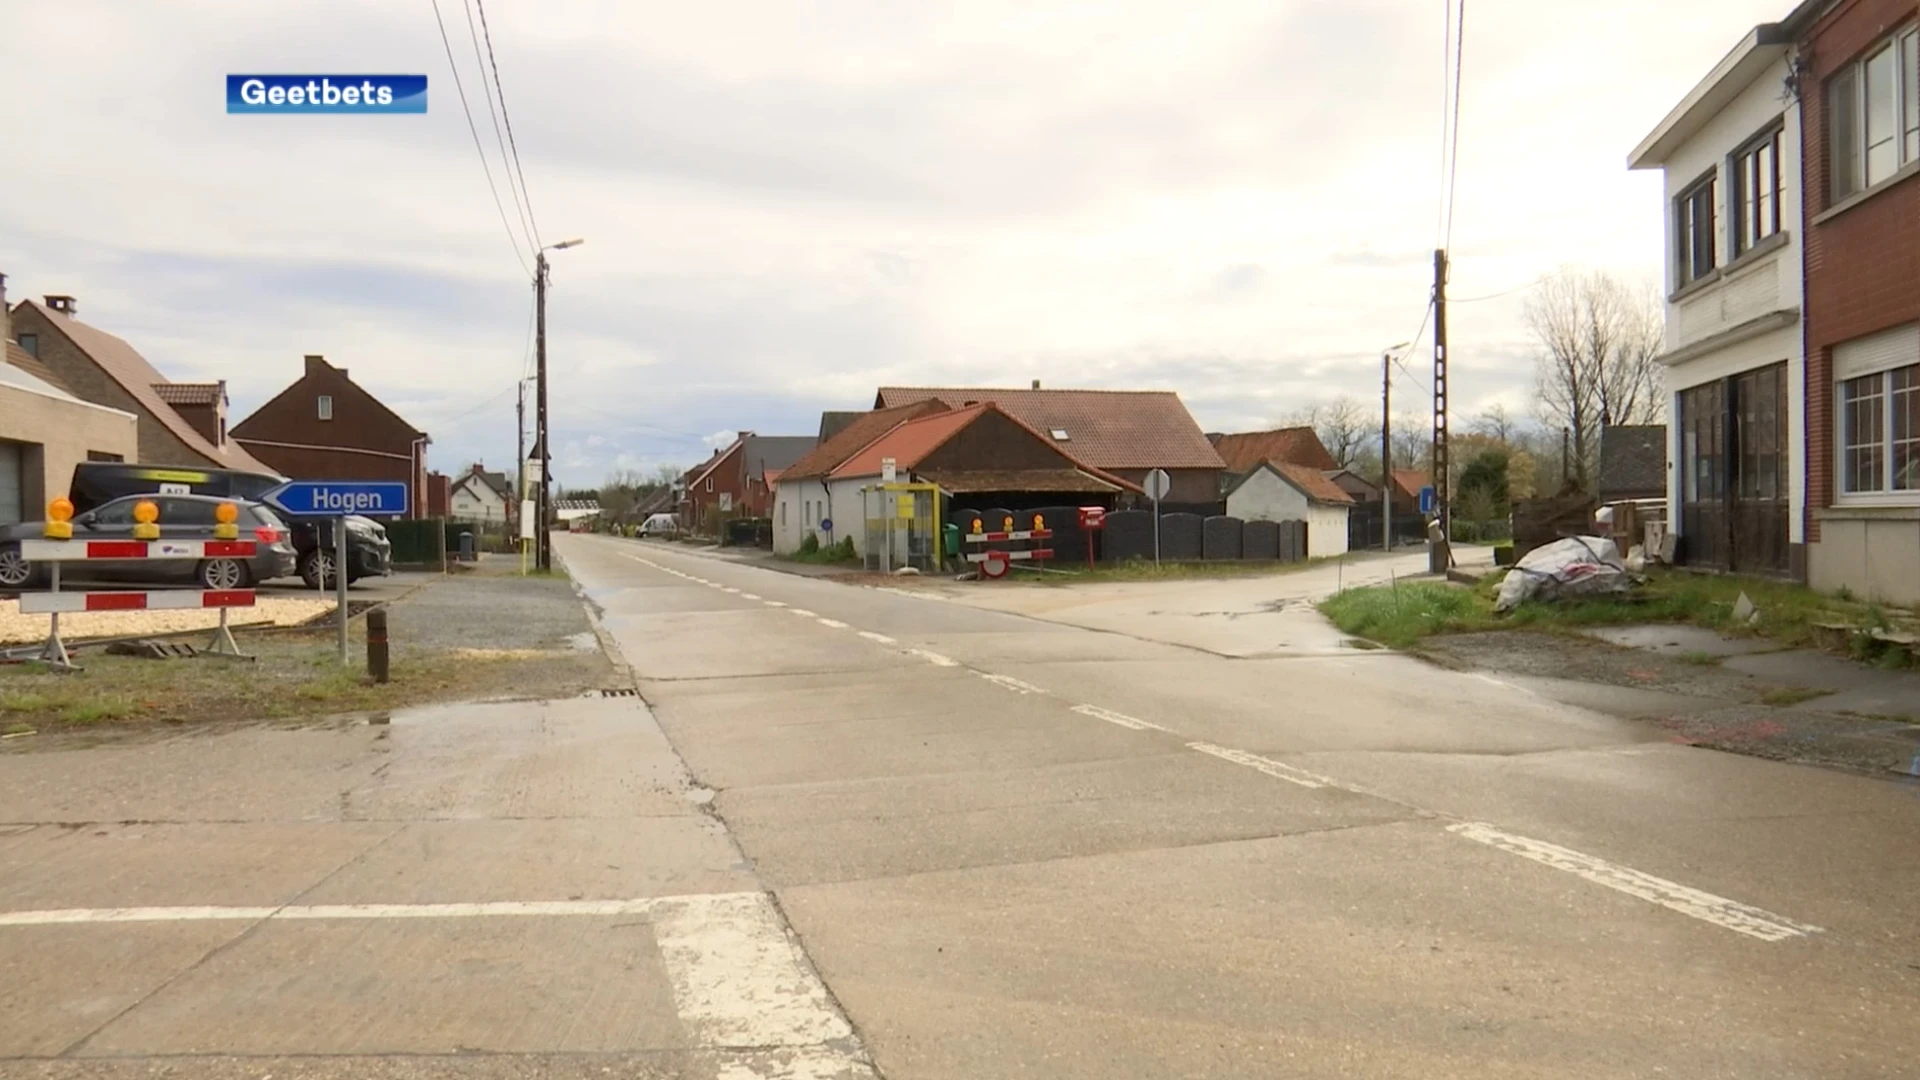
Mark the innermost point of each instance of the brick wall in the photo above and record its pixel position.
(1863, 264)
(76, 369)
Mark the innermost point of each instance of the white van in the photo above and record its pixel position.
(660, 525)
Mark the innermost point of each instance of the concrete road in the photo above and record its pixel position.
(860, 832)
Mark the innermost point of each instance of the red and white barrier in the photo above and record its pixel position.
(995, 563)
(160, 600)
(56, 551)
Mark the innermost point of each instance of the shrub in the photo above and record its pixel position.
(810, 545)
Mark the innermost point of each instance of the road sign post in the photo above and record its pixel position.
(1157, 485)
(339, 500)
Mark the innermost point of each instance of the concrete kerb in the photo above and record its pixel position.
(623, 671)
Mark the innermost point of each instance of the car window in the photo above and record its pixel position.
(117, 512)
(186, 512)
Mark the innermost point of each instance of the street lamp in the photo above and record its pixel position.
(543, 544)
(1386, 444)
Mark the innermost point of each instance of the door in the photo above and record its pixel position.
(1733, 498)
(12, 483)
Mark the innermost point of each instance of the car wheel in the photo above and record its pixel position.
(314, 566)
(15, 571)
(224, 574)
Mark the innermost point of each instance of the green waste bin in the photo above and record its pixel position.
(951, 540)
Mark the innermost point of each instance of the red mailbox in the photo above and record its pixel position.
(1092, 518)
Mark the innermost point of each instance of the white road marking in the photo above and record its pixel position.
(1272, 768)
(749, 596)
(800, 1064)
(835, 623)
(1111, 717)
(803, 612)
(933, 658)
(773, 603)
(495, 909)
(730, 589)
(881, 638)
(907, 592)
(738, 979)
(1718, 910)
(1008, 682)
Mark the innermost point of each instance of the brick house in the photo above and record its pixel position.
(98, 367)
(1126, 433)
(326, 427)
(1858, 77)
(733, 482)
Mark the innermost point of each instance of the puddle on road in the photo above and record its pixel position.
(585, 641)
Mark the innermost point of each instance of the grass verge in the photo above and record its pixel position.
(1790, 614)
(292, 676)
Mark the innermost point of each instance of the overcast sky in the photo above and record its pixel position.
(788, 205)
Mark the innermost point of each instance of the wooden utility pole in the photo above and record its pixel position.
(543, 554)
(1386, 451)
(519, 465)
(1442, 497)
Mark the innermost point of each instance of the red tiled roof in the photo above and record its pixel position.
(189, 393)
(1410, 481)
(1073, 481)
(909, 443)
(1245, 452)
(1108, 429)
(1313, 483)
(137, 377)
(854, 437)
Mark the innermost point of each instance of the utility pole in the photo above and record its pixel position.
(519, 464)
(1386, 451)
(542, 556)
(1442, 497)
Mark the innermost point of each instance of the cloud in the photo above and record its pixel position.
(786, 207)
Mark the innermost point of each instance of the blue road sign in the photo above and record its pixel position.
(1426, 499)
(373, 498)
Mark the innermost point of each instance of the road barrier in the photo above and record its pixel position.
(59, 548)
(995, 562)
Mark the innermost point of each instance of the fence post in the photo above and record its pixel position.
(377, 660)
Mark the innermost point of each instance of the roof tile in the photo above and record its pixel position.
(1300, 445)
(1108, 429)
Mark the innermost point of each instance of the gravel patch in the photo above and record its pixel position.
(477, 611)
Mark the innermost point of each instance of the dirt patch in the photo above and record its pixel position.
(1561, 656)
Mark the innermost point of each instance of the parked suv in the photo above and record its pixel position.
(182, 517)
(369, 554)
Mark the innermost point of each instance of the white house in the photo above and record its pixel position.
(1283, 491)
(481, 496)
(1734, 362)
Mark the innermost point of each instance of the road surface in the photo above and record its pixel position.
(855, 832)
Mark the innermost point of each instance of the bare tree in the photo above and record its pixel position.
(1496, 423)
(1600, 338)
(1348, 429)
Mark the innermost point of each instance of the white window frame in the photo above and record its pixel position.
(324, 406)
(1875, 356)
(1904, 45)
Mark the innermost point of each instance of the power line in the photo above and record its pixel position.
(487, 91)
(508, 118)
(1495, 296)
(475, 131)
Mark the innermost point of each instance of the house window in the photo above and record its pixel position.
(326, 407)
(1693, 229)
(30, 344)
(1880, 432)
(783, 515)
(1756, 192)
(1874, 111)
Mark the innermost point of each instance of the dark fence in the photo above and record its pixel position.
(1363, 527)
(1128, 534)
(1189, 538)
(1220, 538)
(1182, 537)
(1260, 540)
(748, 532)
(1539, 522)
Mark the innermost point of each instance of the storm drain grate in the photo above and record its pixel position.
(620, 691)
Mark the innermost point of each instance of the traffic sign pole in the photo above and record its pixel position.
(340, 578)
(1158, 485)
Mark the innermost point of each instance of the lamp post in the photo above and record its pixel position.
(543, 544)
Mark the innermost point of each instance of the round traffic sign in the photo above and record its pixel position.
(995, 565)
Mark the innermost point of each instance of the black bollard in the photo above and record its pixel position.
(377, 644)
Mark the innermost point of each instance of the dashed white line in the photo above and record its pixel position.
(773, 603)
(1272, 768)
(1008, 682)
(803, 612)
(1718, 910)
(749, 596)
(881, 638)
(1131, 722)
(933, 658)
(834, 623)
(730, 589)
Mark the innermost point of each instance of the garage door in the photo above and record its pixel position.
(11, 485)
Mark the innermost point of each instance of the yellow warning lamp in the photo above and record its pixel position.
(224, 516)
(976, 525)
(1007, 525)
(1039, 523)
(59, 524)
(145, 514)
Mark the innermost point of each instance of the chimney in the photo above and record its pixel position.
(1036, 384)
(65, 305)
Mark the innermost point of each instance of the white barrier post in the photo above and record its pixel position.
(56, 651)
